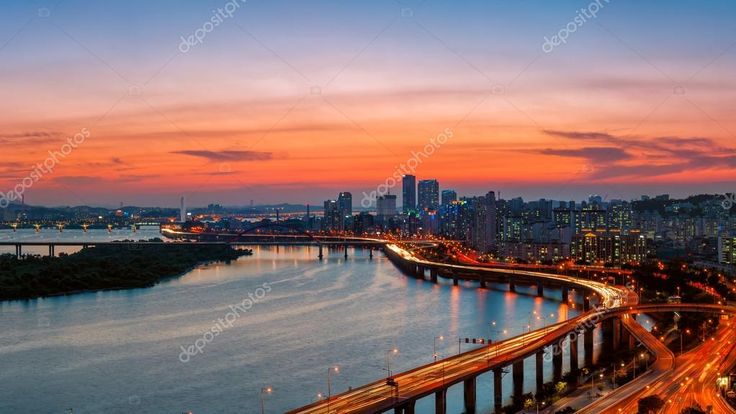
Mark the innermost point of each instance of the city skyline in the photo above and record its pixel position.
(388, 206)
(619, 108)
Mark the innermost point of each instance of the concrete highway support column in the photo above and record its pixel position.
(557, 364)
(574, 355)
(51, 250)
(607, 328)
(321, 255)
(540, 290)
(586, 303)
(440, 401)
(469, 395)
(588, 347)
(482, 280)
(497, 395)
(512, 286)
(617, 334)
(632, 341)
(346, 251)
(420, 272)
(625, 336)
(518, 372)
(454, 280)
(565, 294)
(540, 371)
(405, 408)
(433, 275)
(370, 252)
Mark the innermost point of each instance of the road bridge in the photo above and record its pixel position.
(615, 314)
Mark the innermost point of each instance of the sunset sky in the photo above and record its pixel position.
(294, 101)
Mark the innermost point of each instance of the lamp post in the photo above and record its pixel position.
(330, 370)
(592, 379)
(613, 375)
(538, 406)
(592, 384)
(264, 391)
(390, 352)
(544, 321)
(636, 362)
(434, 346)
(681, 332)
(492, 332)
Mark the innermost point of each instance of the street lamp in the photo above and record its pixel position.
(495, 331)
(592, 384)
(645, 357)
(687, 331)
(544, 321)
(538, 406)
(264, 391)
(636, 362)
(388, 360)
(613, 375)
(434, 346)
(330, 370)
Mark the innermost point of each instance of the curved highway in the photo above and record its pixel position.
(428, 379)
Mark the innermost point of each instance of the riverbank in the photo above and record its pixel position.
(106, 267)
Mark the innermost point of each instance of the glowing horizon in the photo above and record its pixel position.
(292, 103)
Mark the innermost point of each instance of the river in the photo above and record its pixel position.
(293, 316)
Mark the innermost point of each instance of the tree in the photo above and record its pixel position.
(695, 409)
(650, 405)
(560, 387)
(528, 404)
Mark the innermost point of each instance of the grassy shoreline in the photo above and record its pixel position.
(104, 268)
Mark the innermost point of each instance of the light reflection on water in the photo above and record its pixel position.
(117, 352)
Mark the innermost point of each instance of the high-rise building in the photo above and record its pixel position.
(182, 210)
(483, 224)
(345, 204)
(345, 209)
(454, 219)
(727, 249)
(386, 206)
(491, 224)
(363, 222)
(409, 193)
(448, 196)
(331, 220)
(608, 247)
(621, 216)
(429, 194)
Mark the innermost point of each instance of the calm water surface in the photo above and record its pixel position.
(119, 352)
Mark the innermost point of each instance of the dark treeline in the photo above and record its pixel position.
(104, 268)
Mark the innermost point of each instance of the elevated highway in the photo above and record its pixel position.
(616, 312)
(405, 388)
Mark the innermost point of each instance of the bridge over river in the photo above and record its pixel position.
(615, 312)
